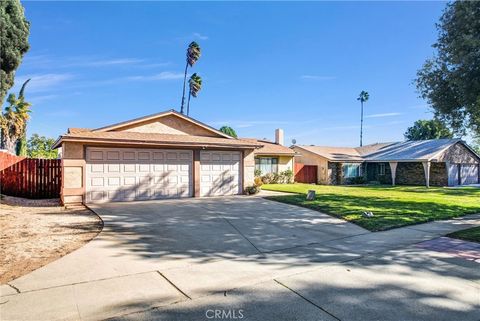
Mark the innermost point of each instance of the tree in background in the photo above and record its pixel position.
(450, 81)
(195, 85)
(229, 131)
(14, 31)
(428, 129)
(41, 147)
(13, 121)
(22, 142)
(363, 97)
(193, 54)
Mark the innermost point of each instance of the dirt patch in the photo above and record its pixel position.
(34, 233)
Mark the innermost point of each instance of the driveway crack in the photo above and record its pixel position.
(14, 287)
(173, 284)
(309, 301)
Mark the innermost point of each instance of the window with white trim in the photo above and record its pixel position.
(351, 170)
(266, 165)
(381, 169)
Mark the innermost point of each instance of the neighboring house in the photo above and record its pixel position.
(439, 162)
(273, 157)
(158, 156)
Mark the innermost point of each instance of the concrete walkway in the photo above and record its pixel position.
(186, 259)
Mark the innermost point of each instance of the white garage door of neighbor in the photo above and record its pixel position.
(468, 174)
(220, 173)
(453, 174)
(128, 174)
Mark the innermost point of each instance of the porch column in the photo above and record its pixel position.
(426, 168)
(393, 170)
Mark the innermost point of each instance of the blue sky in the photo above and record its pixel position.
(298, 66)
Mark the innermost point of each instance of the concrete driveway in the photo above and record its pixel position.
(195, 259)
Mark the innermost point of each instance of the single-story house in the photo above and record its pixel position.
(273, 157)
(157, 156)
(438, 162)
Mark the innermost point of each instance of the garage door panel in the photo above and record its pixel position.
(219, 173)
(468, 174)
(138, 174)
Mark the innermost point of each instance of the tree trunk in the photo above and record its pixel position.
(361, 125)
(184, 83)
(188, 102)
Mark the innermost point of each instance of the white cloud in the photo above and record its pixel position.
(165, 75)
(200, 36)
(42, 82)
(383, 115)
(110, 62)
(316, 77)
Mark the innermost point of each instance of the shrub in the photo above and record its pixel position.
(252, 190)
(356, 180)
(287, 176)
(267, 178)
(257, 173)
(257, 181)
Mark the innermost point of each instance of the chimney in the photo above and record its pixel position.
(279, 136)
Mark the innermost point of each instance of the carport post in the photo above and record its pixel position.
(393, 170)
(426, 168)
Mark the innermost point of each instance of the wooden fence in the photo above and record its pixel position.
(305, 173)
(32, 178)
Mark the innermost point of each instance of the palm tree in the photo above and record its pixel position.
(363, 97)
(13, 121)
(193, 54)
(195, 84)
(24, 114)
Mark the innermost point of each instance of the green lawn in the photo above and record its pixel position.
(471, 234)
(392, 206)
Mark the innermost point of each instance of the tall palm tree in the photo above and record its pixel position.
(363, 97)
(193, 54)
(24, 114)
(195, 84)
(13, 121)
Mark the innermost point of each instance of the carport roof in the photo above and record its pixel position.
(125, 138)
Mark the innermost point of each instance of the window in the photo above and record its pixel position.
(381, 169)
(351, 170)
(266, 165)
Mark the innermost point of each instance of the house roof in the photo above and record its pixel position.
(421, 150)
(270, 148)
(334, 153)
(412, 150)
(113, 134)
(155, 139)
(159, 115)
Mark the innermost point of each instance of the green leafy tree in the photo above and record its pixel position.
(229, 131)
(363, 97)
(428, 129)
(41, 147)
(450, 81)
(14, 32)
(193, 54)
(195, 85)
(13, 121)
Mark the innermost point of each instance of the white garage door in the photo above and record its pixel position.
(124, 174)
(453, 174)
(220, 173)
(468, 174)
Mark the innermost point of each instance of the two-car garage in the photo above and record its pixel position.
(129, 174)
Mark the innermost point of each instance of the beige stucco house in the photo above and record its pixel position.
(159, 156)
